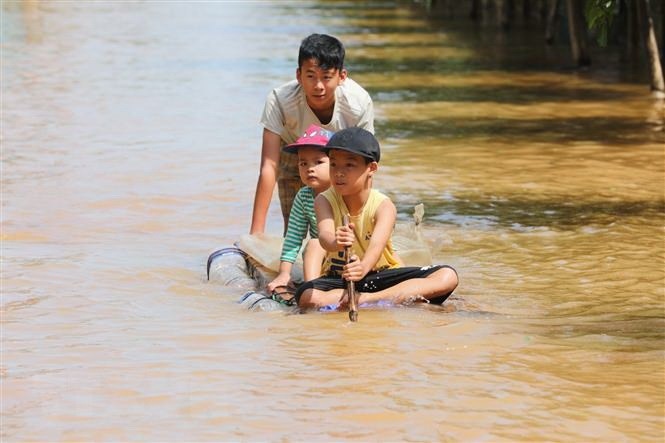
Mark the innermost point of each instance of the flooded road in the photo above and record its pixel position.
(130, 150)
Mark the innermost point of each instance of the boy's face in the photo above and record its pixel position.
(319, 84)
(350, 173)
(314, 168)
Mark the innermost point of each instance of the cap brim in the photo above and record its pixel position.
(328, 148)
(293, 149)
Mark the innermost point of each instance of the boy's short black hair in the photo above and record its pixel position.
(325, 49)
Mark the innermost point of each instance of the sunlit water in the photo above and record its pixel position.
(130, 148)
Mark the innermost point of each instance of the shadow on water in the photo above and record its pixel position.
(451, 64)
(527, 214)
(647, 329)
(609, 130)
(504, 94)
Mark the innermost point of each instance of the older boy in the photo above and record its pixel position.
(354, 155)
(321, 94)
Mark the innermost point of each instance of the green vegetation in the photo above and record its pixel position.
(634, 27)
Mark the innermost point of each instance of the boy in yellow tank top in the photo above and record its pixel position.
(377, 272)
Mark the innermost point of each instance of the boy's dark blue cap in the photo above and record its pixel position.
(357, 141)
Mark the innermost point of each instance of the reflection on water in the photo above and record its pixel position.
(130, 143)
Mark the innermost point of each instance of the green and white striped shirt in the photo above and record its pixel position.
(301, 219)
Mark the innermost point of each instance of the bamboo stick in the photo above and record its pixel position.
(350, 286)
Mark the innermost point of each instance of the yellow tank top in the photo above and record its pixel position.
(364, 227)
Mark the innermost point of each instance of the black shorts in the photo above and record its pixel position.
(376, 281)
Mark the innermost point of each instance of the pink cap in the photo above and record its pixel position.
(314, 137)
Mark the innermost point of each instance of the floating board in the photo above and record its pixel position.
(407, 242)
(235, 269)
(254, 261)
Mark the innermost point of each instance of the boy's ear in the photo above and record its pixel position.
(298, 74)
(342, 75)
(373, 167)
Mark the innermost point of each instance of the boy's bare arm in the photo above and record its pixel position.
(386, 214)
(265, 185)
(326, 223)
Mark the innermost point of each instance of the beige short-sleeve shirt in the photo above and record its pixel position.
(287, 113)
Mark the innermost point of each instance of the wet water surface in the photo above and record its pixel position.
(130, 149)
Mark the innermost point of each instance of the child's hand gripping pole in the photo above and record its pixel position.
(350, 286)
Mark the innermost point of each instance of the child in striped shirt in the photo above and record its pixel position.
(313, 167)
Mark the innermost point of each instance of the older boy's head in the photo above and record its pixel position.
(325, 49)
(357, 141)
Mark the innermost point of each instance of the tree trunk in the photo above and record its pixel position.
(662, 29)
(651, 44)
(476, 11)
(552, 21)
(633, 38)
(526, 10)
(577, 32)
(505, 13)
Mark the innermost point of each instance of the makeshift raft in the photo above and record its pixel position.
(253, 262)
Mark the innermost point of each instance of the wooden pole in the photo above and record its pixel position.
(350, 286)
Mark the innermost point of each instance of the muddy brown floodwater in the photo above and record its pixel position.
(130, 148)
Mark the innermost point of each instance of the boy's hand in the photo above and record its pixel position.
(344, 235)
(281, 280)
(354, 270)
